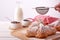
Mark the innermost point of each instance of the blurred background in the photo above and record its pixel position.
(8, 10)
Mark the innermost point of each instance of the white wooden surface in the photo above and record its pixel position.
(5, 32)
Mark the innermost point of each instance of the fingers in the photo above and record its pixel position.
(57, 7)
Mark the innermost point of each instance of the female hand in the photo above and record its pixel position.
(57, 7)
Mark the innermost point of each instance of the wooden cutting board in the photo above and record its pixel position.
(20, 33)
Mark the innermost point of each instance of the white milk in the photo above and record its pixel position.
(18, 12)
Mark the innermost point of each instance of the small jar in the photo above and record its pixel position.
(15, 25)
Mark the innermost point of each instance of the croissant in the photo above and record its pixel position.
(50, 30)
(32, 31)
(40, 31)
(57, 26)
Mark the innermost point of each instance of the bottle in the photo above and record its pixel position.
(18, 12)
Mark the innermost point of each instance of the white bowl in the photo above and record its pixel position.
(26, 22)
(15, 25)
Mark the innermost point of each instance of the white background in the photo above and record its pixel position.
(7, 8)
(29, 4)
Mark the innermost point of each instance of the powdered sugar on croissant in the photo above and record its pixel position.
(32, 31)
(41, 33)
(50, 30)
(40, 30)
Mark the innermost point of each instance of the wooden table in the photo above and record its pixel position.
(20, 33)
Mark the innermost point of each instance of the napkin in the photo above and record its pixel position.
(46, 19)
